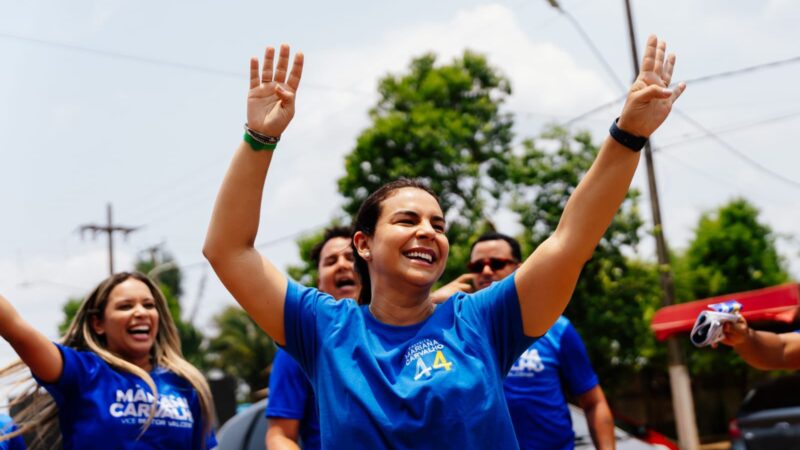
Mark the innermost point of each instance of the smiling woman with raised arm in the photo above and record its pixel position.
(395, 372)
(117, 380)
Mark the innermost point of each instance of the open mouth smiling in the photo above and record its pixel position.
(344, 282)
(421, 254)
(139, 330)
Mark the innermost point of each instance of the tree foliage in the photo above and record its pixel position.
(732, 251)
(70, 309)
(441, 124)
(241, 349)
(615, 297)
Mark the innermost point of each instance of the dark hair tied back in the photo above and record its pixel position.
(366, 220)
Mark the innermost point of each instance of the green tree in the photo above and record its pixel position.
(241, 349)
(70, 308)
(441, 124)
(615, 297)
(306, 273)
(732, 251)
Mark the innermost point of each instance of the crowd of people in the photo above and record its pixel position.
(373, 357)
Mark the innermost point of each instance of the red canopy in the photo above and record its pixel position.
(776, 303)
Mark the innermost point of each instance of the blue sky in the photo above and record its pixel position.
(141, 103)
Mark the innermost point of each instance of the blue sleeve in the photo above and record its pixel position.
(307, 312)
(211, 441)
(496, 314)
(288, 389)
(79, 368)
(200, 442)
(575, 365)
(8, 426)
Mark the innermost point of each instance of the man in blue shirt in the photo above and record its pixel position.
(533, 387)
(292, 407)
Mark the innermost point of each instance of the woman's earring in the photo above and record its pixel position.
(367, 255)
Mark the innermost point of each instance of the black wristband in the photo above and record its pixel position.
(634, 143)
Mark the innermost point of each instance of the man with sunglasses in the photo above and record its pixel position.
(533, 388)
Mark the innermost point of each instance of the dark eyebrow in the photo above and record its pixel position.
(408, 212)
(405, 212)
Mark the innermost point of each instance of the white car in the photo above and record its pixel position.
(625, 441)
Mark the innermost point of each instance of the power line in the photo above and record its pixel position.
(265, 244)
(706, 175)
(706, 132)
(738, 153)
(108, 229)
(696, 80)
(732, 128)
(160, 62)
(589, 43)
(744, 70)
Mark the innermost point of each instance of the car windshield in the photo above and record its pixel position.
(781, 392)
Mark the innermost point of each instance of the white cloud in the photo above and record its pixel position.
(544, 76)
(39, 286)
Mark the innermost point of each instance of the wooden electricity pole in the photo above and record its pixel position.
(109, 228)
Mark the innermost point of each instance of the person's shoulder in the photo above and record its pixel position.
(498, 289)
(557, 331)
(322, 299)
(84, 358)
(283, 361)
(562, 323)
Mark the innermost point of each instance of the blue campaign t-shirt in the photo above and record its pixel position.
(7, 426)
(436, 384)
(292, 397)
(534, 392)
(101, 408)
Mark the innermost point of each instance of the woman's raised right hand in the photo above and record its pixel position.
(270, 101)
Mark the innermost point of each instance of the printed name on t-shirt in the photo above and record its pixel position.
(430, 350)
(527, 365)
(134, 406)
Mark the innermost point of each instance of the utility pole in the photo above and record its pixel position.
(153, 251)
(680, 383)
(155, 267)
(109, 229)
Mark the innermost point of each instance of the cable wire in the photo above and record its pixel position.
(680, 140)
(161, 62)
(696, 80)
(738, 153)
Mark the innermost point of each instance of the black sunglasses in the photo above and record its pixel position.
(494, 263)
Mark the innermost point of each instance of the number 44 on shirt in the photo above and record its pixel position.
(439, 363)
